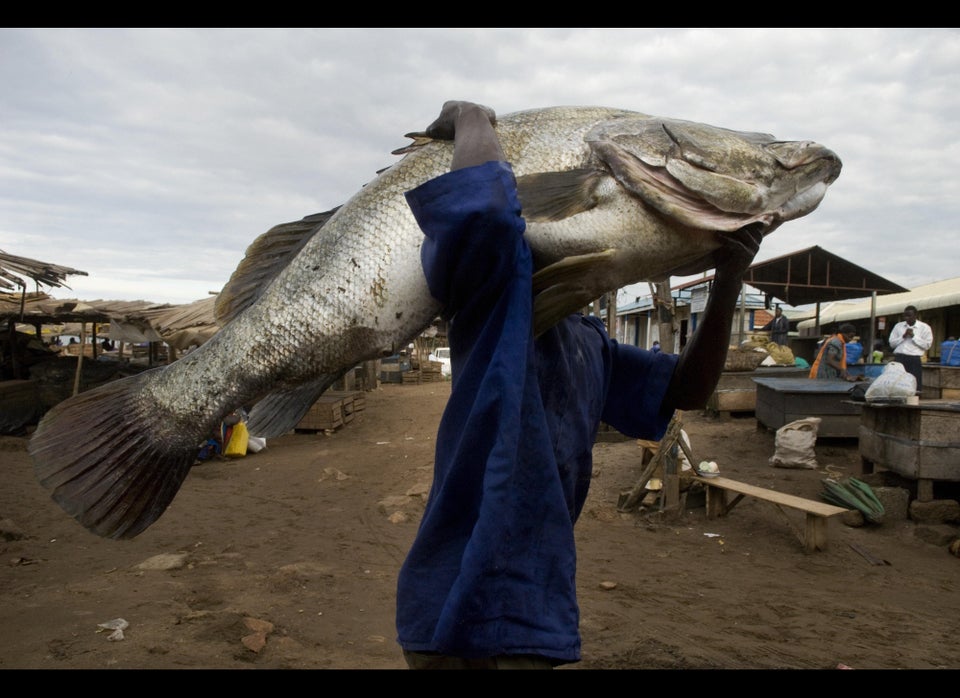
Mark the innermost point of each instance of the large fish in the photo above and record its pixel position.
(611, 197)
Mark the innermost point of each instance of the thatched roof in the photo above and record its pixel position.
(180, 326)
(14, 269)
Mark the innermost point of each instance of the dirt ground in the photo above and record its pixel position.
(287, 559)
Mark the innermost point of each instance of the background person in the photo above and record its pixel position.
(778, 327)
(831, 362)
(489, 581)
(910, 338)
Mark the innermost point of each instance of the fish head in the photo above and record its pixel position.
(642, 198)
(715, 178)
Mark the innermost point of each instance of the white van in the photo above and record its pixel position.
(442, 355)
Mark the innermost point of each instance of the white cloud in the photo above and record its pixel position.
(152, 157)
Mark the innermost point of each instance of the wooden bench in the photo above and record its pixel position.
(814, 535)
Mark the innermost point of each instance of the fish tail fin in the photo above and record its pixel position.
(280, 411)
(108, 462)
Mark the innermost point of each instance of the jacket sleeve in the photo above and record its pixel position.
(473, 232)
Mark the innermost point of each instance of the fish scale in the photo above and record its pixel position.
(611, 197)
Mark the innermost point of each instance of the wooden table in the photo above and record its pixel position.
(920, 442)
(784, 400)
(736, 391)
(940, 382)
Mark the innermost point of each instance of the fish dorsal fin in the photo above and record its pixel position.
(553, 196)
(559, 288)
(264, 259)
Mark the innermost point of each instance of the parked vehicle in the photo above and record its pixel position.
(442, 355)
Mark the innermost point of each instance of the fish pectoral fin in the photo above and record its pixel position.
(280, 411)
(559, 288)
(264, 259)
(572, 270)
(697, 266)
(553, 196)
(553, 304)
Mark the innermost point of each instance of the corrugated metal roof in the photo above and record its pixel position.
(936, 295)
(815, 275)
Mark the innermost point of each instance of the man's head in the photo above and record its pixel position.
(848, 331)
(910, 314)
(778, 312)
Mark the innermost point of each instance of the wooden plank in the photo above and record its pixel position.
(789, 500)
(816, 514)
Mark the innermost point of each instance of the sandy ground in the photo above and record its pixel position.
(288, 558)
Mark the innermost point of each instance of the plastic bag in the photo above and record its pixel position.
(894, 382)
(795, 444)
(237, 445)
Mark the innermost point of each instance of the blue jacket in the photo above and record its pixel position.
(492, 569)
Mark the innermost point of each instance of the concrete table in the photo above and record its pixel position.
(920, 442)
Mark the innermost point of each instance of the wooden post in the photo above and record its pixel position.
(663, 300)
(743, 312)
(671, 478)
(83, 340)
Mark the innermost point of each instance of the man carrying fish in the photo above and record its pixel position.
(489, 581)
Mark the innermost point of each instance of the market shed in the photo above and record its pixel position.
(35, 374)
(815, 275)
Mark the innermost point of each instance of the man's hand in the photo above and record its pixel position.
(471, 128)
(738, 250)
(444, 127)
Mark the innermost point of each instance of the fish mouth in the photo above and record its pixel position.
(797, 154)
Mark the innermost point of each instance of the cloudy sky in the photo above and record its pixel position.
(150, 158)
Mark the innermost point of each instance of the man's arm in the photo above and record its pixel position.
(896, 335)
(471, 128)
(702, 360)
(923, 338)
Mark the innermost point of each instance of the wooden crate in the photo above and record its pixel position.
(354, 401)
(325, 413)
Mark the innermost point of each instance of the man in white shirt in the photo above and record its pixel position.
(910, 339)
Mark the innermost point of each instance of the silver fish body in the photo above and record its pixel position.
(611, 197)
